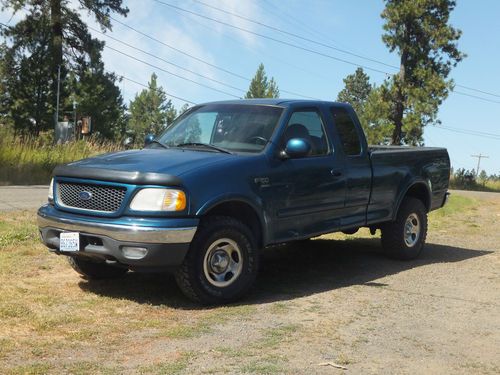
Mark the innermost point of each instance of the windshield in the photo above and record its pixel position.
(231, 127)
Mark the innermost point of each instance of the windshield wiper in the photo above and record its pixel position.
(207, 145)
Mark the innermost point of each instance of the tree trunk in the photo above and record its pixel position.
(57, 38)
(400, 100)
(398, 117)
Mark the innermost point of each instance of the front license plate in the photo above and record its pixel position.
(69, 241)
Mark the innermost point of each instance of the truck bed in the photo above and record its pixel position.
(393, 166)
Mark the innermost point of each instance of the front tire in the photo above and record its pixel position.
(221, 264)
(404, 238)
(95, 270)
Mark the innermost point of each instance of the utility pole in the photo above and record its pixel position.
(74, 119)
(479, 157)
(56, 120)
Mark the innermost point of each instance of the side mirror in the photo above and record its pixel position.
(148, 139)
(296, 148)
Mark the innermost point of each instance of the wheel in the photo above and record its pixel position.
(95, 270)
(221, 264)
(404, 238)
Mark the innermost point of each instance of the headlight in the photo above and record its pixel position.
(156, 199)
(51, 191)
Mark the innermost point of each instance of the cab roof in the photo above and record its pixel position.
(278, 102)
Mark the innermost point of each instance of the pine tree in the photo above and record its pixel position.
(419, 32)
(356, 90)
(374, 116)
(151, 111)
(261, 86)
(51, 35)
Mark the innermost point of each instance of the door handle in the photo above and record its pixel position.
(336, 173)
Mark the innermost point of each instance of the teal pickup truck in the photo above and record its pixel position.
(228, 179)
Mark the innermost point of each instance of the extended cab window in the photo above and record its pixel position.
(307, 124)
(349, 136)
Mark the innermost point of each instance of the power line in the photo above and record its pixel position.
(256, 50)
(166, 61)
(293, 21)
(477, 90)
(200, 59)
(469, 132)
(311, 41)
(157, 89)
(273, 39)
(171, 73)
(476, 97)
(486, 134)
(295, 35)
(178, 50)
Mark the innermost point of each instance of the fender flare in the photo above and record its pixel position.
(255, 204)
(410, 185)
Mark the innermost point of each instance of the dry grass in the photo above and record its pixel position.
(31, 161)
(54, 322)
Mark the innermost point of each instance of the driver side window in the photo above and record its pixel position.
(307, 125)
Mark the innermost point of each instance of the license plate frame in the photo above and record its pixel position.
(69, 242)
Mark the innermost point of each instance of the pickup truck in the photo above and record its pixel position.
(228, 179)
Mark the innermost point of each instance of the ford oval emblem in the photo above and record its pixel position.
(85, 195)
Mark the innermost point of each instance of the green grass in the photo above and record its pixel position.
(456, 204)
(19, 229)
(31, 161)
(175, 366)
(263, 367)
(275, 336)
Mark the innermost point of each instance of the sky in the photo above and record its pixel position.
(354, 26)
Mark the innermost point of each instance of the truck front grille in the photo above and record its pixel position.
(91, 197)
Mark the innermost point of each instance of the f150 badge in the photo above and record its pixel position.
(262, 181)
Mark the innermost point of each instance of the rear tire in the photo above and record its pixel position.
(404, 238)
(95, 270)
(221, 264)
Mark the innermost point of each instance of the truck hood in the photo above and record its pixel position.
(147, 166)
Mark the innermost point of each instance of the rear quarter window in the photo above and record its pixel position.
(349, 137)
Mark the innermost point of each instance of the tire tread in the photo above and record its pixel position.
(392, 239)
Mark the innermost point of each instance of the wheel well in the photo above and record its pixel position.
(420, 191)
(243, 212)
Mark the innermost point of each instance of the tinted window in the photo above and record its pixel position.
(349, 136)
(307, 125)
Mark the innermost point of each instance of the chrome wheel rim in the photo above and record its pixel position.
(223, 262)
(412, 230)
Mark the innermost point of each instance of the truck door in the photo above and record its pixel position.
(357, 165)
(311, 189)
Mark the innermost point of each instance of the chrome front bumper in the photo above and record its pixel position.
(126, 233)
(165, 241)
